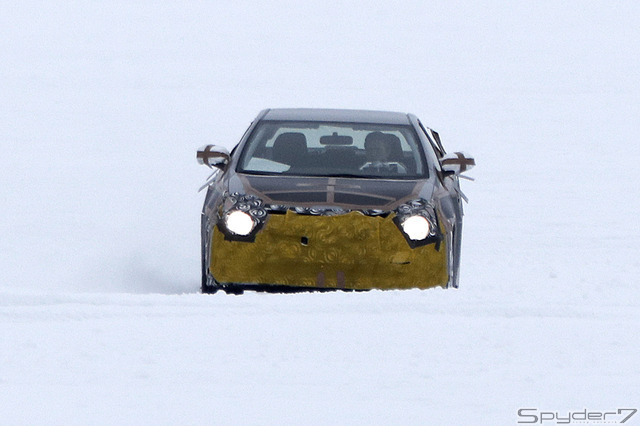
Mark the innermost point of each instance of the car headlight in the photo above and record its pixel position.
(416, 227)
(239, 222)
(418, 222)
(241, 216)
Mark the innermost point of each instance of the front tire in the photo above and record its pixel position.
(209, 284)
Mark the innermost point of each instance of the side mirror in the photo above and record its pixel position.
(457, 163)
(213, 156)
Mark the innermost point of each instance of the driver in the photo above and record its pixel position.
(377, 150)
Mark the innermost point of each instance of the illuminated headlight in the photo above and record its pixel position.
(238, 222)
(418, 222)
(416, 227)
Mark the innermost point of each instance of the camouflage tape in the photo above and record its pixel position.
(351, 251)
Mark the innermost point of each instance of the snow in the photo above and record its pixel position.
(103, 107)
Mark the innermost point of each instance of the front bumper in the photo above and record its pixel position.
(349, 251)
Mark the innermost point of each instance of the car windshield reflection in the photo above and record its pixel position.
(333, 150)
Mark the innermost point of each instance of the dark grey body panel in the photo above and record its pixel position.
(341, 192)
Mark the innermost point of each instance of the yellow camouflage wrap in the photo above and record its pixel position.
(350, 251)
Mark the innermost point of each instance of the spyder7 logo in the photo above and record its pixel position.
(535, 416)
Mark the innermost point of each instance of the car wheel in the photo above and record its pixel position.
(209, 284)
(209, 289)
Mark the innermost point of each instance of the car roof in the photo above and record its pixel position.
(336, 115)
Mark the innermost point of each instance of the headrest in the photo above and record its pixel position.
(290, 148)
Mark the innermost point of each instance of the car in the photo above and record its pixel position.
(329, 199)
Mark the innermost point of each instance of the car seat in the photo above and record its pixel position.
(290, 148)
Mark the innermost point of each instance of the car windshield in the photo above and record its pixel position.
(333, 149)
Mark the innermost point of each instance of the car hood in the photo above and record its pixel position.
(349, 193)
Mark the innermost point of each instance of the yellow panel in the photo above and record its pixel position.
(351, 251)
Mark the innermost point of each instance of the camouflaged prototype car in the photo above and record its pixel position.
(318, 199)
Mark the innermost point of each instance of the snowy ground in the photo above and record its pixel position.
(102, 107)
